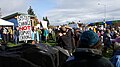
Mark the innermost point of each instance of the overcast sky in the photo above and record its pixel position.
(63, 11)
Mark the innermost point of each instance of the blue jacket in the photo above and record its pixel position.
(45, 33)
(116, 59)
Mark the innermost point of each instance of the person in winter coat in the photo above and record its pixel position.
(16, 35)
(106, 40)
(88, 54)
(116, 56)
(64, 39)
(77, 34)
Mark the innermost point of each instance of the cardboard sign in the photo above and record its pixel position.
(44, 24)
(24, 24)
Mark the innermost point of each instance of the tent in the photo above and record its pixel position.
(91, 24)
(5, 23)
(109, 22)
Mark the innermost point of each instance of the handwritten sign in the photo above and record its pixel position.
(44, 24)
(24, 24)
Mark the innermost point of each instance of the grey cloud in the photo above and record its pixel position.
(84, 10)
(12, 6)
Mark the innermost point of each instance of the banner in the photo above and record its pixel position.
(73, 25)
(24, 24)
(44, 24)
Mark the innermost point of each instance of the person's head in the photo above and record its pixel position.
(116, 43)
(63, 29)
(98, 31)
(33, 28)
(77, 30)
(17, 28)
(113, 29)
(89, 39)
(67, 27)
(9, 28)
(0, 27)
(108, 31)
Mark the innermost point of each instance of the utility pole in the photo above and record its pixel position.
(104, 5)
(104, 12)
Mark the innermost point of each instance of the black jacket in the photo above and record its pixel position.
(27, 55)
(65, 41)
(84, 57)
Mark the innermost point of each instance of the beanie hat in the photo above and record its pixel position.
(88, 39)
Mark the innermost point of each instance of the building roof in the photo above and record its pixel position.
(5, 23)
(15, 14)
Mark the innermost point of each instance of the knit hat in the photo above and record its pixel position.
(88, 39)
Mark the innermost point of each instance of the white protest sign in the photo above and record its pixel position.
(73, 25)
(24, 24)
(44, 24)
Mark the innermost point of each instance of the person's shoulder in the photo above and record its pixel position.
(99, 62)
(106, 62)
(104, 59)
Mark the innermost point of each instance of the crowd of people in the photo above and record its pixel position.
(106, 34)
(7, 34)
(85, 45)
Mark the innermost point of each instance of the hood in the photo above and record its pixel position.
(87, 53)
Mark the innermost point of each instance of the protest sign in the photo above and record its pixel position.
(24, 24)
(73, 25)
(44, 24)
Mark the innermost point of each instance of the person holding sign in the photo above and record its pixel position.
(24, 24)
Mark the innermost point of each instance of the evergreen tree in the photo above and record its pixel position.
(30, 11)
